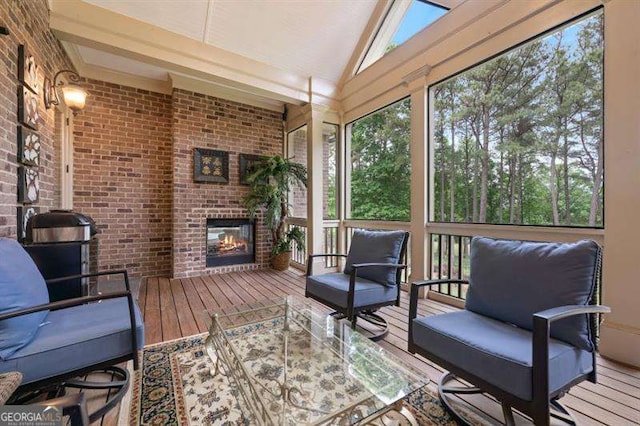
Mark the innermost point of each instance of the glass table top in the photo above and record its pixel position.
(294, 364)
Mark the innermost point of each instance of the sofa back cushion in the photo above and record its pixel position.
(511, 280)
(376, 247)
(21, 286)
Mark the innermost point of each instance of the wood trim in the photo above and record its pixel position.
(377, 224)
(533, 233)
(366, 39)
(185, 82)
(96, 72)
(78, 22)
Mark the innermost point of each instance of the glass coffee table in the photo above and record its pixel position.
(293, 364)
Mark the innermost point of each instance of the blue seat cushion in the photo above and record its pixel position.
(498, 353)
(75, 338)
(334, 288)
(376, 247)
(512, 280)
(21, 286)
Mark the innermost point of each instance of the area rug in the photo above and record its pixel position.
(175, 387)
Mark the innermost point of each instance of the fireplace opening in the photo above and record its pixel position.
(230, 242)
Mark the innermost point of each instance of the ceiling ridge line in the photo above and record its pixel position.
(207, 22)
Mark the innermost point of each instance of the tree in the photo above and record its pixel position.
(518, 139)
(381, 164)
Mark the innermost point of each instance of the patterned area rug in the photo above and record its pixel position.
(175, 387)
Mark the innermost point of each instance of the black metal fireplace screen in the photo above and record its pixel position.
(230, 242)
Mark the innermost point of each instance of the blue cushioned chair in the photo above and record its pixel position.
(370, 280)
(527, 333)
(51, 344)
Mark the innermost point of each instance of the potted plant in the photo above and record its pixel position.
(270, 182)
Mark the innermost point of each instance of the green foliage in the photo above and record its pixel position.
(270, 183)
(381, 164)
(518, 139)
(293, 235)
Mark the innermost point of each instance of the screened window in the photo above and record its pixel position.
(519, 139)
(297, 152)
(380, 165)
(330, 134)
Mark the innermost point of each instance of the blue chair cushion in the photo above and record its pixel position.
(375, 247)
(21, 286)
(498, 353)
(334, 288)
(512, 280)
(75, 338)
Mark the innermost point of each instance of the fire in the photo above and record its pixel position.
(230, 244)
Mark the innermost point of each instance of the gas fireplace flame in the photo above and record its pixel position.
(230, 244)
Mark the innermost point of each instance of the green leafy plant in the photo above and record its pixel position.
(270, 183)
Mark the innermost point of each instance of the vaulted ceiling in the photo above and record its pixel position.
(311, 38)
(302, 39)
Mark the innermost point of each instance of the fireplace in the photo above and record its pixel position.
(230, 242)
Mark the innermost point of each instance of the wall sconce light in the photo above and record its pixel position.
(73, 95)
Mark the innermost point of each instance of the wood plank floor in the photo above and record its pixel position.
(177, 307)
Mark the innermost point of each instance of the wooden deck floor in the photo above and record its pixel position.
(176, 308)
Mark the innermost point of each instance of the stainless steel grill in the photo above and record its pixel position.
(62, 243)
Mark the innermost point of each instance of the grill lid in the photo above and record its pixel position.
(61, 219)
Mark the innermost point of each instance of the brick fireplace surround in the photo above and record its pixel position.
(133, 159)
(136, 180)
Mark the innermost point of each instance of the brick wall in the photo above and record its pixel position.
(132, 158)
(28, 21)
(122, 175)
(201, 121)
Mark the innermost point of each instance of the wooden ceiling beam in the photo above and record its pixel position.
(81, 23)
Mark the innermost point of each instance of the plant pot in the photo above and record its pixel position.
(281, 261)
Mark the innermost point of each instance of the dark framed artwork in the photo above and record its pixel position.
(28, 107)
(210, 165)
(247, 164)
(28, 184)
(28, 147)
(28, 69)
(24, 214)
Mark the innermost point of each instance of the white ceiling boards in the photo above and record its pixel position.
(313, 38)
(305, 37)
(185, 17)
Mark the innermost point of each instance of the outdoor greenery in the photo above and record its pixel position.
(330, 170)
(519, 139)
(381, 164)
(271, 180)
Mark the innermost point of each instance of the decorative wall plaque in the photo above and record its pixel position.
(24, 214)
(28, 107)
(28, 69)
(28, 185)
(247, 164)
(28, 147)
(210, 165)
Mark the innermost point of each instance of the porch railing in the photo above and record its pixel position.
(449, 256)
(299, 253)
